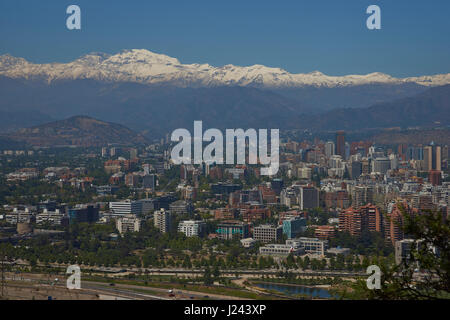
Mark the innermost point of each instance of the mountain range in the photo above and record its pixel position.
(154, 94)
(143, 66)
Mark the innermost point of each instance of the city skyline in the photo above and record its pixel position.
(238, 150)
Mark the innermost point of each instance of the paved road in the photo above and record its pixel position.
(120, 291)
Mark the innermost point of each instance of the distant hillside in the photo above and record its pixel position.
(429, 108)
(13, 120)
(157, 110)
(439, 136)
(77, 131)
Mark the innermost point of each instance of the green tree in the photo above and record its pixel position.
(207, 279)
(426, 274)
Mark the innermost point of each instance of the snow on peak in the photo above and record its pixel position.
(144, 66)
(7, 61)
(143, 56)
(316, 73)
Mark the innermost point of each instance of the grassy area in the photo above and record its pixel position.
(147, 291)
(299, 281)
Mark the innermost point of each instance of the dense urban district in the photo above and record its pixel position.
(131, 219)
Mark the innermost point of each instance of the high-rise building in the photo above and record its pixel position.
(308, 197)
(131, 180)
(162, 220)
(432, 157)
(422, 202)
(329, 149)
(394, 161)
(347, 150)
(340, 143)
(355, 169)
(414, 153)
(445, 153)
(402, 151)
(292, 227)
(365, 166)
(133, 153)
(381, 165)
(374, 216)
(336, 199)
(149, 181)
(435, 177)
(362, 195)
(288, 197)
(352, 221)
(428, 158)
(277, 185)
(361, 219)
(394, 223)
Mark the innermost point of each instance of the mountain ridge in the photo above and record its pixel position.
(429, 108)
(143, 66)
(260, 109)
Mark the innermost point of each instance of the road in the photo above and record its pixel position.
(25, 284)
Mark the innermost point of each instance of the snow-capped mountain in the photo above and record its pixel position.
(143, 66)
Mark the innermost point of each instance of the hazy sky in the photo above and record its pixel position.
(300, 36)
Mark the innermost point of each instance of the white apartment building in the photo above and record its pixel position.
(126, 207)
(192, 228)
(313, 246)
(282, 250)
(52, 217)
(128, 223)
(248, 242)
(162, 220)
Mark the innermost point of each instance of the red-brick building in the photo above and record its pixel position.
(325, 232)
(358, 220)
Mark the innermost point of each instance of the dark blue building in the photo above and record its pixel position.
(84, 214)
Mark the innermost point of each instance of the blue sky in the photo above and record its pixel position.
(299, 36)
